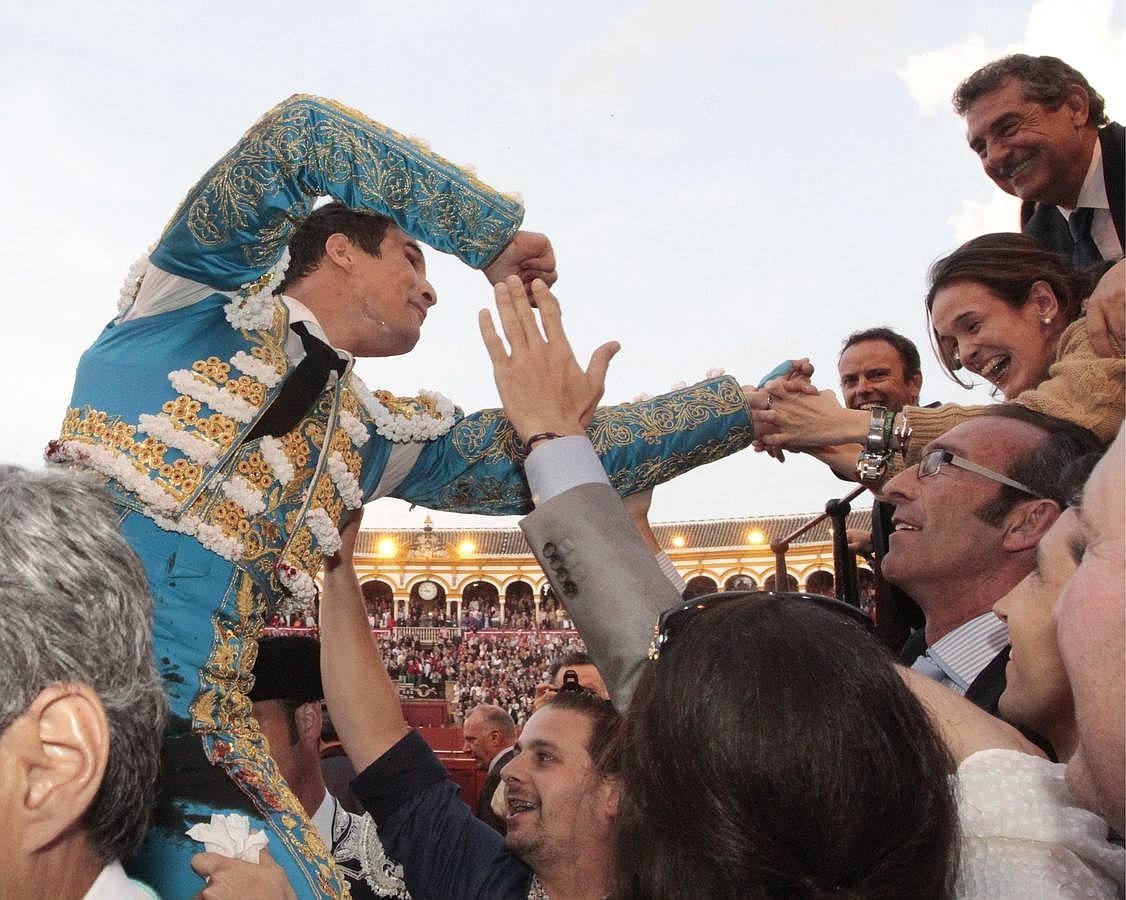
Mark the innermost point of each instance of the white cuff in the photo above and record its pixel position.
(560, 464)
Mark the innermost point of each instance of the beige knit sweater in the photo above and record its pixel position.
(1081, 387)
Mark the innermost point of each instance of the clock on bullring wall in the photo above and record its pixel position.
(427, 590)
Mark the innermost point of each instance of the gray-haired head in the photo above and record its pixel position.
(494, 717)
(77, 609)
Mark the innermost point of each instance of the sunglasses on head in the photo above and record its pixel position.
(673, 620)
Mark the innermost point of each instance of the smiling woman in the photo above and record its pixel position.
(1004, 308)
(998, 306)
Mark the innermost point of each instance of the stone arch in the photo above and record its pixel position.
(519, 603)
(698, 585)
(379, 599)
(822, 582)
(480, 602)
(740, 581)
(771, 580)
(426, 612)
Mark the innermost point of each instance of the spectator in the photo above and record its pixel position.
(1091, 616)
(81, 708)
(562, 784)
(1042, 134)
(727, 789)
(582, 665)
(286, 701)
(879, 367)
(967, 520)
(1005, 309)
(1037, 693)
(489, 734)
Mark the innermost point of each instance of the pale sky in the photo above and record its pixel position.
(727, 184)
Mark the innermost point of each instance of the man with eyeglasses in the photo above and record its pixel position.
(967, 521)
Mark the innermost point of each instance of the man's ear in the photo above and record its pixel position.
(612, 796)
(1027, 523)
(915, 382)
(1078, 105)
(340, 251)
(66, 746)
(309, 721)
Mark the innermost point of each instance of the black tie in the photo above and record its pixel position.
(1084, 253)
(301, 388)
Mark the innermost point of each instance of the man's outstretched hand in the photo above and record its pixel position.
(542, 386)
(528, 256)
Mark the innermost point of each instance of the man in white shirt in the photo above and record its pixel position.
(81, 706)
(1043, 135)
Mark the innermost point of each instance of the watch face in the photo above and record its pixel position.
(428, 590)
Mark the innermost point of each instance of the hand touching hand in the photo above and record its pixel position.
(528, 256)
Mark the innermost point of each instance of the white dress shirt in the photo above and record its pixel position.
(1093, 196)
(114, 884)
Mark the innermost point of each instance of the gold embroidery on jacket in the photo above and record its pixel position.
(345, 147)
(222, 711)
(180, 478)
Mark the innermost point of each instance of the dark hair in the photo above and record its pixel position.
(307, 246)
(568, 661)
(1041, 465)
(1008, 264)
(1043, 79)
(605, 746)
(905, 347)
(1076, 474)
(773, 751)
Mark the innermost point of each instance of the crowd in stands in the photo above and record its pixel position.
(506, 670)
(503, 669)
(519, 615)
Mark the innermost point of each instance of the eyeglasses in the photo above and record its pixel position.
(672, 621)
(932, 463)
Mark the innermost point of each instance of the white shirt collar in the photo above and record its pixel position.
(497, 757)
(1092, 195)
(113, 884)
(299, 312)
(323, 818)
(969, 648)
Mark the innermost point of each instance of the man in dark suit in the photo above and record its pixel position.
(966, 524)
(880, 367)
(1043, 135)
(489, 735)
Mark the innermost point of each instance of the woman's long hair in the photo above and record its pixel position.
(773, 751)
